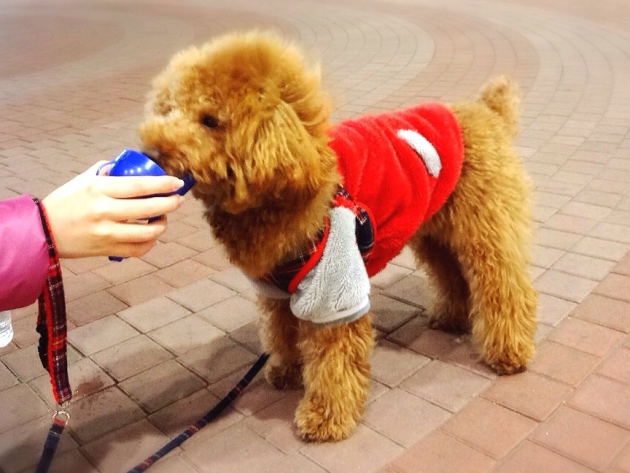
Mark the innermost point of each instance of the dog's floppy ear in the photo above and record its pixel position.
(291, 159)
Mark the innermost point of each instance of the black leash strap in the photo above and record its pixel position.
(59, 421)
(206, 419)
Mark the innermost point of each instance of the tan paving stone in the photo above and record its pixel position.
(161, 385)
(531, 457)
(99, 335)
(446, 385)
(125, 447)
(585, 336)
(489, 427)
(366, 450)
(440, 452)
(403, 417)
(131, 357)
(153, 314)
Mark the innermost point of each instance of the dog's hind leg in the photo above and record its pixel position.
(279, 337)
(503, 302)
(336, 374)
(450, 310)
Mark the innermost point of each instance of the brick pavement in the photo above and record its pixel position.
(155, 341)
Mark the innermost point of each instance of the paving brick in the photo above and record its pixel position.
(604, 311)
(623, 267)
(403, 417)
(604, 398)
(617, 366)
(417, 337)
(615, 286)
(178, 416)
(489, 427)
(446, 385)
(411, 289)
(238, 449)
(7, 379)
(622, 463)
(186, 334)
(529, 394)
(562, 363)
(126, 447)
(531, 457)
(93, 307)
(170, 382)
(365, 450)
(258, 395)
(391, 363)
(275, 423)
(184, 272)
(584, 266)
(117, 360)
(585, 336)
(231, 314)
(140, 289)
(598, 248)
(556, 283)
(217, 359)
(153, 314)
(99, 335)
(103, 412)
(200, 294)
(582, 437)
(123, 271)
(74, 460)
(552, 310)
(166, 254)
(440, 453)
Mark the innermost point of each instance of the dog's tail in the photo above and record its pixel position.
(502, 96)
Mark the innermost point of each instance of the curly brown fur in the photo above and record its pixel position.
(246, 116)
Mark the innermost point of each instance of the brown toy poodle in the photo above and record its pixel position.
(309, 211)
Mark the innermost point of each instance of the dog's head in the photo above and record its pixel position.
(246, 117)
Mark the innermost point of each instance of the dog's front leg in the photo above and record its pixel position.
(336, 374)
(279, 337)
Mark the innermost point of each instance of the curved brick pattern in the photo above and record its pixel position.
(155, 341)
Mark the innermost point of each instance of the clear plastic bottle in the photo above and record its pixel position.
(6, 329)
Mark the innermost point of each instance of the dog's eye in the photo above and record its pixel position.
(209, 121)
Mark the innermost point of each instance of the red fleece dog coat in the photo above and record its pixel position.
(398, 169)
(389, 168)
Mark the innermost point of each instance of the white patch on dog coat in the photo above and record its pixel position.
(337, 289)
(424, 148)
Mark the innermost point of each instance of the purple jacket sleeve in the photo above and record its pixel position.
(23, 253)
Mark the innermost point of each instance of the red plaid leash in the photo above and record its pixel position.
(51, 320)
(52, 329)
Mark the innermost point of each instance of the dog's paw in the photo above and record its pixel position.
(316, 423)
(284, 377)
(448, 324)
(503, 369)
(509, 361)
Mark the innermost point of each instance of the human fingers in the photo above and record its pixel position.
(126, 250)
(138, 209)
(123, 233)
(125, 187)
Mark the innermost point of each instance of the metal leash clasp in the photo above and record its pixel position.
(60, 416)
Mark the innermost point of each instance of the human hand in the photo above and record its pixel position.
(98, 215)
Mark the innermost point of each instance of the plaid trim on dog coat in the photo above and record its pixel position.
(397, 169)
